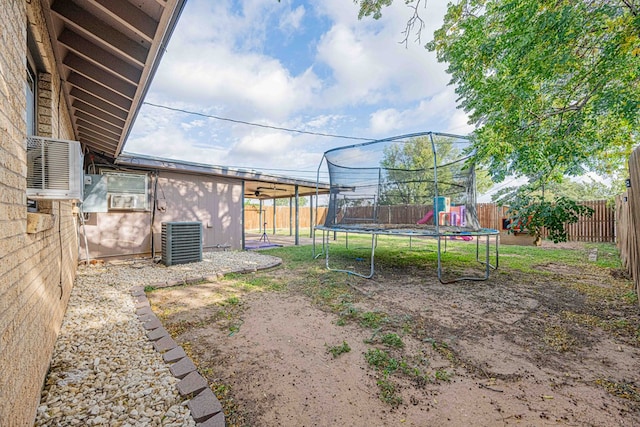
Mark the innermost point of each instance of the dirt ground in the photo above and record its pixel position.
(311, 348)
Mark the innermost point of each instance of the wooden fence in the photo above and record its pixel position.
(600, 227)
(628, 220)
(284, 217)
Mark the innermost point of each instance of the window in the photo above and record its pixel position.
(30, 117)
(30, 92)
(128, 191)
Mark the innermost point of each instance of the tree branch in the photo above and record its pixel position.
(414, 21)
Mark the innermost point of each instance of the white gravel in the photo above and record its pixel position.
(104, 370)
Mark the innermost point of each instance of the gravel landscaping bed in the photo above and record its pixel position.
(104, 370)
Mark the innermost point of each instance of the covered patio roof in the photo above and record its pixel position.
(257, 185)
(107, 52)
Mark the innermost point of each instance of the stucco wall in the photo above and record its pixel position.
(36, 269)
(214, 201)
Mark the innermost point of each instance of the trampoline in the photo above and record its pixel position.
(415, 185)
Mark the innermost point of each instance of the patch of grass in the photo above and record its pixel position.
(149, 288)
(380, 360)
(442, 375)
(608, 255)
(234, 328)
(182, 326)
(582, 319)
(296, 257)
(624, 390)
(392, 340)
(558, 338)
(325, 290)
(261, 283)
(613, 291)
(372, 319)
(621, 327)
(337, 350)
(348, 313)
(525, 258)
(443, 349)
(251, 282)
(389, 392)
(178, 328)
(232, 300)
(630, 298)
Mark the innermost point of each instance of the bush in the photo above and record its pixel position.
(534, 213)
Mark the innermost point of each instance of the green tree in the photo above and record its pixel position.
(302, 201)
(409, 172)
(552, 85)
(574, 190)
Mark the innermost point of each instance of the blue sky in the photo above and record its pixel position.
(311, 66)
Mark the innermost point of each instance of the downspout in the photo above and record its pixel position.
(242, 219)
(153, 213)
(297, 239)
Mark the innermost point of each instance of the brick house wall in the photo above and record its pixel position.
(38, 251)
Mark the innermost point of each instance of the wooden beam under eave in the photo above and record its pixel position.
(80, 115)
(100, 57)
(104, 143)
(97, 129)
(98, 136)
(99, 75)
(129, 15)
(99, 91)
(97, 145)
(92, 111)
(91, 26)
(98, 103)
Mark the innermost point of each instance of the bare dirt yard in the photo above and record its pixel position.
(550, 339)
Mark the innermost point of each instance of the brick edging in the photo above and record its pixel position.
(205, 407)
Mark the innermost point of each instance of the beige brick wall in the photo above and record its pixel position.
(36, 270)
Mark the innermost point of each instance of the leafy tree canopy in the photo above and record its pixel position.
(302, 201)
(553, 85)
(575, 190)
(409, 172)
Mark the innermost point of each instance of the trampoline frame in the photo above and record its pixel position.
(487, 233)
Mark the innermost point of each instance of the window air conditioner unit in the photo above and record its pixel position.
(128, 201)
(54, 169)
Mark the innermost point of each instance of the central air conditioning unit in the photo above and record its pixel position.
(181, 242)
(54, 169)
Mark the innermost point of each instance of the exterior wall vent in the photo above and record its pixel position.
(181, 242)
(54, 169)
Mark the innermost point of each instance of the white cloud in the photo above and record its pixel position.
(291, 21)
(324, 121)
(243, 85)
(357, 80)
(368, 61)
(385, 121)
(437, 113)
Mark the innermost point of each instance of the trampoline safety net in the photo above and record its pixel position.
(422, 181)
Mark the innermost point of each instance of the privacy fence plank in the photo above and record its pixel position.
(628, 220)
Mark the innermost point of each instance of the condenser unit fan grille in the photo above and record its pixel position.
(181, 242)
